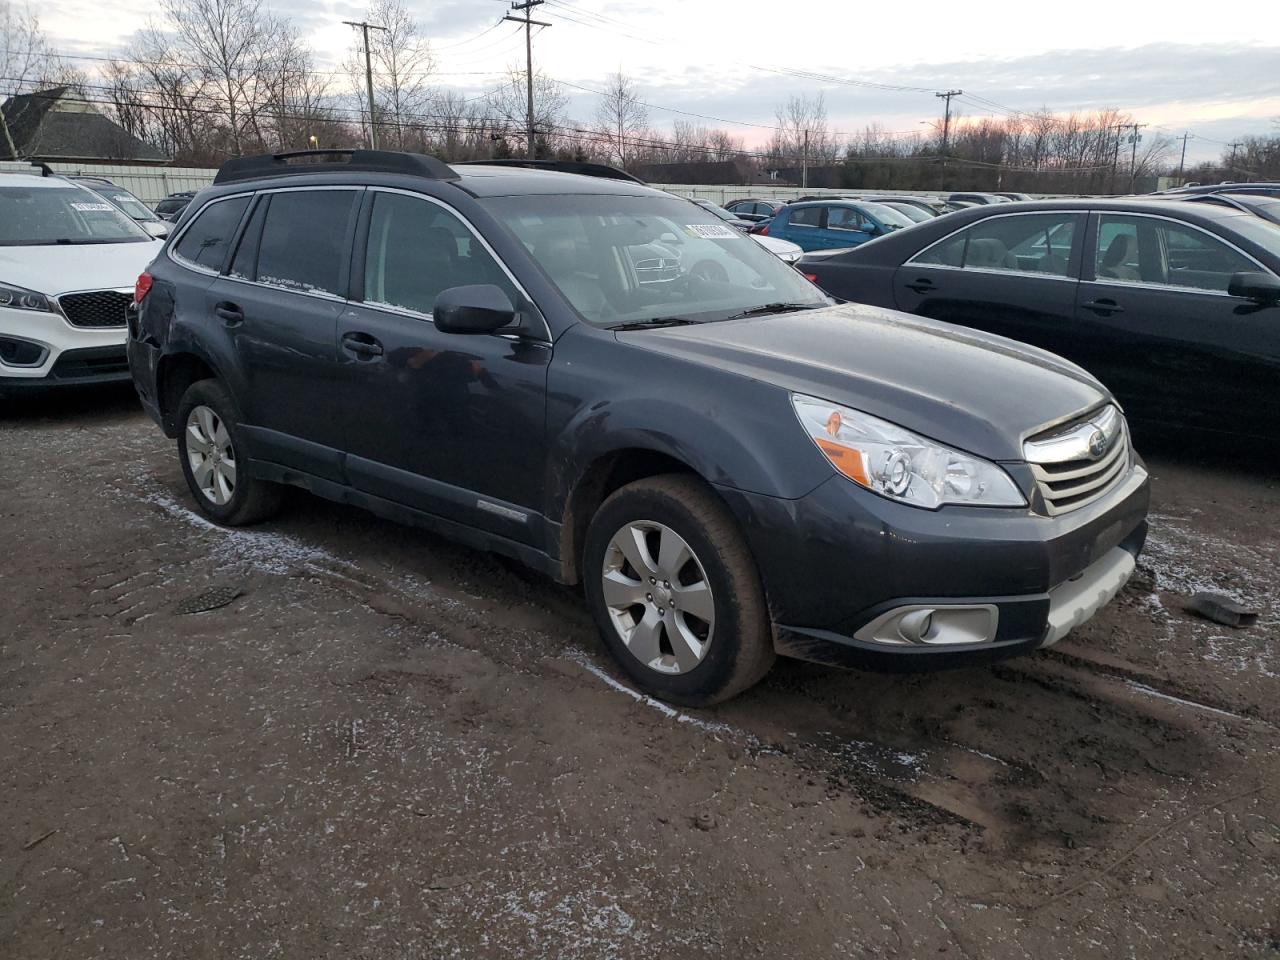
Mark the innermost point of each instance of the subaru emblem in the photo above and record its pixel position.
(1097, 444)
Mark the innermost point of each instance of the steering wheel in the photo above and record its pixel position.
(709, 270)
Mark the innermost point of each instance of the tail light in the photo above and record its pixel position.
(811, 277)
(141, 287)
(762, 230)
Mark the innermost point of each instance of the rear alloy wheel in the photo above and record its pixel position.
(675, 592)
(210, 448)
(210, 455)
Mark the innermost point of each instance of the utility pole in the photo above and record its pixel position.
(804, 161)
(1231, 164)
(1115, 157)
(527, 6)
(946, 129)
(368, 74)
(1183, 159)
(1133, 159)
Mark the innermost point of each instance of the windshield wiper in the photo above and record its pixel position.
(652, 323)
(774, 308)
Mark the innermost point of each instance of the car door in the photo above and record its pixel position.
(279, 301)
(802, 226)
(1168, 338)
(1003, 274)
(450, 424)
(846, 227)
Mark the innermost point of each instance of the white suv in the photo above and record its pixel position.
(68, 263)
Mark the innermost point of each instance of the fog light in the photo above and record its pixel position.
(21, 353)
(914, 626)
(940, 625)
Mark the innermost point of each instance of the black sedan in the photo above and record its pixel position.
(1268, 208)
(755, 210)
(1175, 306)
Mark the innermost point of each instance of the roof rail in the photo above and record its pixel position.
(580, 167)
(333, 161)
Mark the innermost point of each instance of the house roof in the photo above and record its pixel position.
(45, 126)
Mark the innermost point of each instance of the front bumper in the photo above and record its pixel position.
(842, 560)
(70, 355)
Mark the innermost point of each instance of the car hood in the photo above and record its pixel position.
(779, 248)
(968, 389)
(58, 269)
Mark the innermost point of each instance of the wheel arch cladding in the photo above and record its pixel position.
(175, 374)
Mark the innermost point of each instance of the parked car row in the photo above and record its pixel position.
(1175, 305)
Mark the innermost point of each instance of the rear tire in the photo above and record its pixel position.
(209, 441)
(675, 591)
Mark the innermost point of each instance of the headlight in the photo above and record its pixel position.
(900, 465)
(16, 298)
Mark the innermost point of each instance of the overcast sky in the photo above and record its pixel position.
(730, 58)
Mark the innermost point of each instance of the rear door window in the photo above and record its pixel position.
(845, 218)
(304, 240)
(806, 217)
(206, 241)
(1038, 243)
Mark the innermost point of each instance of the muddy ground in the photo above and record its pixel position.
(393, 747)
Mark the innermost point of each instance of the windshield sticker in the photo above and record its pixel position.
(87, 207)
(712, 231)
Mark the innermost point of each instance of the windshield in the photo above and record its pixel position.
(887, 215)
(719, 211)
(914, 214)
(624, 259)
(46, 215)
(1262, 232)
(126, 202)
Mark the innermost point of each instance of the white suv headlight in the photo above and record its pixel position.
(16, 298)
(896, 463)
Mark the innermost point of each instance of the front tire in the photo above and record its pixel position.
(675, 592)
(208, 447)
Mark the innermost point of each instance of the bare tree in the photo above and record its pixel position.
(622, 117)
(803, 134)
(508, 106)
(402, 66)
(27, 64)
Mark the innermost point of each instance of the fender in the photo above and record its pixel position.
(730, 429)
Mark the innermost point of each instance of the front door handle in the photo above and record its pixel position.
(229, 313)
(362, 345)
(1104, 306)
(923, 285)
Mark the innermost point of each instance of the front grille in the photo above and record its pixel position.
(105, 363)
(1067, 473)
(100, 308)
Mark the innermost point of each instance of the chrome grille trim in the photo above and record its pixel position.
(1067, 472)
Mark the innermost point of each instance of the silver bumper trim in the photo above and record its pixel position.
(1074, 602)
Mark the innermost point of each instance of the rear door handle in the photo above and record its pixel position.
(229, 313)
(1104, 306)
(923, 285)
(362, 345)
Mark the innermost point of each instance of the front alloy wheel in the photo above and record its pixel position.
(211, 456)
(658, 597)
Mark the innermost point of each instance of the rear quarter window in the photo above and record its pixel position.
(206, 241)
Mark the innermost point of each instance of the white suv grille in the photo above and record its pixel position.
(1077, 463)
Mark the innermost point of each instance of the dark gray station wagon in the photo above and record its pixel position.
(732, 465)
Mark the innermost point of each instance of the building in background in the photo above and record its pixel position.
(57, 125)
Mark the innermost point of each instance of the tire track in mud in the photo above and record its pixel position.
(977, 751)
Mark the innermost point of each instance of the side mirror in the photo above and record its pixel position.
(157, 228)
(1256, 286)
(477, 308)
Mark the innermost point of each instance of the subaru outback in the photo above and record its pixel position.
(732, 465)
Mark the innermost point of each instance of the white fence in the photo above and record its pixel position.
(152, 184)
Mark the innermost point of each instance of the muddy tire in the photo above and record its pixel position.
(675, 591)
(209, 439)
